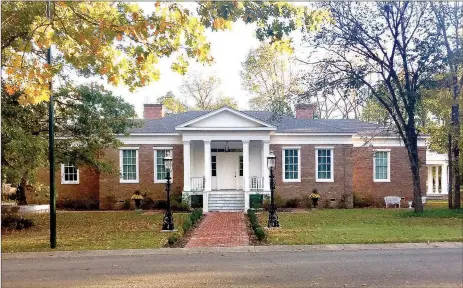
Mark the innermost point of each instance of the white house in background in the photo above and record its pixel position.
(438, 176)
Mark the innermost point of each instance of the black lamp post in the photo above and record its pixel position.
(272, 212)
(168, 221)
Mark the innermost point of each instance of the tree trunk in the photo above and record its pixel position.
(415, 167)
(456, 155)
(21, 191)
(450, 162)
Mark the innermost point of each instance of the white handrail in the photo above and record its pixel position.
(197, 183)
(257, 183)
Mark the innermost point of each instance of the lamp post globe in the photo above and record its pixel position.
(168, 220)
(272, 212)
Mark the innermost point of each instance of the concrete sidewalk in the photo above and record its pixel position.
(245, 249)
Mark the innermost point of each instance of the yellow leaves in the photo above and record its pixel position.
(114, 80)
(11, 89)
(283, 46)
(221, 24)
(119, 36)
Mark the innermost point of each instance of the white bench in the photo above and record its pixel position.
(392, 200)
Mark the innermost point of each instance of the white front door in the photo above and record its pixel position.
(227, 170)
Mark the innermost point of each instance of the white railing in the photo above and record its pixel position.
(257, 183)
(197, 183)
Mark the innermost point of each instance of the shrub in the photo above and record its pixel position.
(173, 239)
(126, 205)
(306, 201)
(279, 202)
(187, 225)
(147, 203)
(363, 201)
(292, 203)
(160, 204)
(177, 206)
(255, 225)
(326, 204)
(196, 215)
(344, 201)
(78, 204)
(196, 201)
(256, 201)
(108, 202)
(16, 222)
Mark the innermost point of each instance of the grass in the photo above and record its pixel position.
(92, 230)
(341, 226)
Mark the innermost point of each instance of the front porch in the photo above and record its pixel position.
(225, 172)
(437, 182)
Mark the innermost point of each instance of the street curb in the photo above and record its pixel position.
(245, 249)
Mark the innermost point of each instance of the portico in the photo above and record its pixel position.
(437, 181)
(225, 159)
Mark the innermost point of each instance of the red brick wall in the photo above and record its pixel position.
(342, 174)
(305, 111)
(153, 111)
(401, 176)
(88, 187)
(110, 184)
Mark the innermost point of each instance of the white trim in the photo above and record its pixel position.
(312, 134)
(64, 182)
(312, 139)
(226, 129)
(155, 155)
(298, 164)
(388, 166)
(183, 126)
(121, 166)
(129, 148)
(331, 164)
(148, 134)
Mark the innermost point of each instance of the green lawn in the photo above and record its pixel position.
(92, 230)
(337, 226)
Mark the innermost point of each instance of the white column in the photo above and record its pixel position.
(265, 171)
(207, 166)
(186, 166)
(246, 165)
(429, 179)
(207, 175)
(436, 179)
(445, 178)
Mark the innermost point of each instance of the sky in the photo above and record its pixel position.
(229, 49)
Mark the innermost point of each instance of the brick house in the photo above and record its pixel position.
(221, 155)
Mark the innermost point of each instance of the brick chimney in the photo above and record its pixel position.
(305, 111)
(153, 111)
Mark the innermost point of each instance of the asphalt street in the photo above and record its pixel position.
(433, 267)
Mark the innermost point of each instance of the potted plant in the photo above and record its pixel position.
(314, 197)
(137, 197)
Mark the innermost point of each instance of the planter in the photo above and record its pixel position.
(314, 202)
(137, 203)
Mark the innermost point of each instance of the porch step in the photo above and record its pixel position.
(226, 201)
(437, 197)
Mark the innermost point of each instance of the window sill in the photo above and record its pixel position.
(382, 180)
(128, 181)
(70, 183)
(324, 180)
(291, 180)
(163, 181)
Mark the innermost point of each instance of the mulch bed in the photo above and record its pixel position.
(183, 240)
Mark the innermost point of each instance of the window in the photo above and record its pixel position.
(214, 165)
(159, 168)
(291, 165)
(381, 171)
(241, 165)
(324, 164)
(129, 165)
(69, 174)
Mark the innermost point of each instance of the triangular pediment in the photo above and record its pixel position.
(225, 119)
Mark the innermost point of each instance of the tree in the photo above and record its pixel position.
(385, 47)
(224, 101)
(172, 104)
(87, 121)
(203, 90)
(269, 76)
(122, 43)
(374, 112)
(449, 22)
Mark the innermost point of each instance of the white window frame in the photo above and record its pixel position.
(332, 164)
(388, 165)
(137, 154)
(63, 181)
(283, 159)
(155, 155)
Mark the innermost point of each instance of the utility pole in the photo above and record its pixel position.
(51, 149)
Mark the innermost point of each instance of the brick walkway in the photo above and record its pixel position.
(224, 229)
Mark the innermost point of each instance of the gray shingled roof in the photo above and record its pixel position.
(284, 124)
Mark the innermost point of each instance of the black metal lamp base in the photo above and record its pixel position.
(273, 219)
(168, 221)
